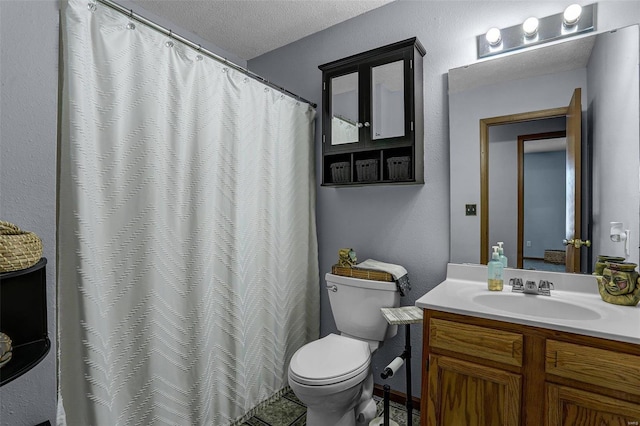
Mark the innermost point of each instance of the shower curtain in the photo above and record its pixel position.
(188, 269)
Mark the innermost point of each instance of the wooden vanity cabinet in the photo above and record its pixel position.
(485, 372)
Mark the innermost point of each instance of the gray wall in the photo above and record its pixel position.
(408, 224)
(544, 202)
(615, 136)
(503, 197)
(28, 145)
(28, 135)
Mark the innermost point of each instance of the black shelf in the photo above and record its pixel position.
(24, 358)
(23, 317)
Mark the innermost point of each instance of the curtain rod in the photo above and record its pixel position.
(131, 14)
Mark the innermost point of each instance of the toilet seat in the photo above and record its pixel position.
(330, 360)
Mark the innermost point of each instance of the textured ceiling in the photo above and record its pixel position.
(249, 28)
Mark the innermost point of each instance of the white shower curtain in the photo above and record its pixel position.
(188, 269)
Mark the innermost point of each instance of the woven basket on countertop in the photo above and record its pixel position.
(18, 249)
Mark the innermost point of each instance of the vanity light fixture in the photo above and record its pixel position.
(530, 27)
(574, 20)
(493, 36)
(571, 15)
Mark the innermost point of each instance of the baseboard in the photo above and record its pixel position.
(395, 396)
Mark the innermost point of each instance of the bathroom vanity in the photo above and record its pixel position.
(503, 358)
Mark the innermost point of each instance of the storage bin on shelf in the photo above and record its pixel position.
(341, 172)
(399, 168)
(367, 170)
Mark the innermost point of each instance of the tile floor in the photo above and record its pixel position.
(289, 411)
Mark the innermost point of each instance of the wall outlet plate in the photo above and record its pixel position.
(470, 209)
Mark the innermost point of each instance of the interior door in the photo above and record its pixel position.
(574, 182)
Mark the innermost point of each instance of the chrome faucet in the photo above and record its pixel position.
(530, 287)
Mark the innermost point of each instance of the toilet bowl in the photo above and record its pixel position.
(332, 376)
(328, 376)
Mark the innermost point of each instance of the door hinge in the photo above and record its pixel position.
(412, 126)
(410, 64)
(323, 138)
(324, 85)
(426, 364)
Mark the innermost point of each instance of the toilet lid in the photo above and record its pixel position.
(330, 360)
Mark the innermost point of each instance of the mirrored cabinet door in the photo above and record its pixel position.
(388, 100)
(344, 109)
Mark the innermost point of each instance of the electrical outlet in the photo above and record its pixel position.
(470, 209)
(528, 243)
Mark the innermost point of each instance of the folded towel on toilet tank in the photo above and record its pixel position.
(399, 273)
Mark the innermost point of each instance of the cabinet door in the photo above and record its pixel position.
(573, 407)
(464, 393)
(344, 130)
(388, 114)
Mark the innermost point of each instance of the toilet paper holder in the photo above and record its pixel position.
(406, 315)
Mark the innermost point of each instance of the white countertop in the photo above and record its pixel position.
(465, 292)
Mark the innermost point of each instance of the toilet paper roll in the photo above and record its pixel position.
(366, 413)
(394, 365)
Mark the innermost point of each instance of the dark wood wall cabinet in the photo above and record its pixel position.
(372, 117)
(23, 317)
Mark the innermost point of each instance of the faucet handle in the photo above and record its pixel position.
(545, 287)
(516, 284)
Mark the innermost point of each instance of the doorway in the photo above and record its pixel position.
(541, 201)
(573, 182)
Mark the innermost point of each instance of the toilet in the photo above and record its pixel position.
(332, 376)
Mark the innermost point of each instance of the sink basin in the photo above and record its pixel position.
(535, 306)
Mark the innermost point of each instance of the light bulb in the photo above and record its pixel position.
(530, 27)
(572, 14)
(493, 36)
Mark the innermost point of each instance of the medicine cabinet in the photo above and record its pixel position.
(372, 117)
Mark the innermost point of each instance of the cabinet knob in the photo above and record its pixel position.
(366, 124)
(359, 125)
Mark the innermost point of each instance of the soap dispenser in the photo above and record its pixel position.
(503, 258)
(495, 269)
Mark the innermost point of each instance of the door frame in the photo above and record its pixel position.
(485, 123)
(521, 141)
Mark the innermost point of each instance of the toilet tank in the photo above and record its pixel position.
(356, 304)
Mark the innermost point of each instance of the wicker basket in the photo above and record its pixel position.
(341, 172)
(367, 170)
(363, 274)
(18, 249)
(556, 257)
(399, 167)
